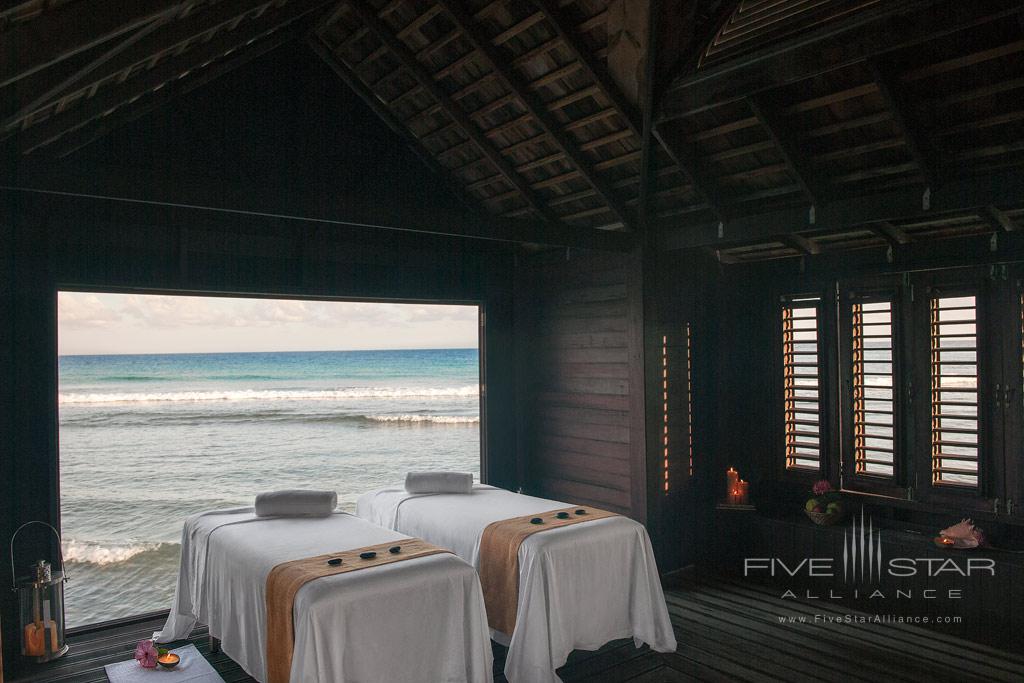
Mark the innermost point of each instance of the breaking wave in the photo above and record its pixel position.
(88, 552)
(271, 395)
(429, 419)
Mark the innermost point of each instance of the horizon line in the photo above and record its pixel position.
(197, 353)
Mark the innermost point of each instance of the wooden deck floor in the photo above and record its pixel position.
(726, 631)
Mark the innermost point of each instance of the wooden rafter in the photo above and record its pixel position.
(34, 45)
(594, 70)
(648, 181)
(148, 81)
(889, 26)
(800, 243)
(685, 157)
(789, 148)
(889, 88)
(536, 107)
(86, 135)
(41, 98)
(966, 194)
(200, 25)
(893, 234)
(998, 220)
(454, 111)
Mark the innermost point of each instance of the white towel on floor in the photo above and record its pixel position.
(439, 482)
(193, 668)
(296, 503)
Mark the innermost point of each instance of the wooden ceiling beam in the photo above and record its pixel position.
(457, 114)
(998, 220)
(888, 81)
(800, 243)
(528, 233)
(960, 195)
(166, 96)
(511, 81)
(686, 157)
(146, 82)
(70, 29)
(422, 54)
(30, 94)
(883, 28)
(789, 148)
(566, 32)
(157, 38)
(892, 234)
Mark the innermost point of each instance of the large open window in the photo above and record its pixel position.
(171, 405)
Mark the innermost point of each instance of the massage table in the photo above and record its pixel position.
(421, 619)
(580, 586)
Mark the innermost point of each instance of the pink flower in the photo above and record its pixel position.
(821, 487)
(145, 653)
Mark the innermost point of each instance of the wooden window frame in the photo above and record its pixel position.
(828, 466)
(954, 284)
(872, 292)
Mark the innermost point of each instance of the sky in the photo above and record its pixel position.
(91, 323)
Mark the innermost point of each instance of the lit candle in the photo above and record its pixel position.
(732, 478)
(168, 659)
(744, 491)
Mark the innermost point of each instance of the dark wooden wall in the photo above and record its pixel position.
(676, 297)
(579, 326)
(590, 329)
(49, 243)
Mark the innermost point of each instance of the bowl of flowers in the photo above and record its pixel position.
(826, 507)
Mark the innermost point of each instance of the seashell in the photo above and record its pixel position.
(368, 555)
(334, 561)
(536, 520)
(395, 549)
(581, 511)
(562, 515)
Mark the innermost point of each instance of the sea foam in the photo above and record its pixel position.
(101, 554)
(430, 419)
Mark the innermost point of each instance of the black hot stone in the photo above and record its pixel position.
(368, 555)
(536, 520)
(395, 549)
(334, 561)
(581, 511)
(563, 515)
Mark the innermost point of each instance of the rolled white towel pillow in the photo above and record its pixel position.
(439, 482)
(296, 503)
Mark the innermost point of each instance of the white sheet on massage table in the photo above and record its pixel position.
(580, 586)
(424, 615)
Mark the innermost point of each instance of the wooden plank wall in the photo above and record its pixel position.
(678, 289)
(580, 374)
(48, 243)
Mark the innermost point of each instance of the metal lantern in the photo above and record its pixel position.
(41, 604)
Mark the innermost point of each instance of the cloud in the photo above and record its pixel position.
(82, 310)
(160, 311)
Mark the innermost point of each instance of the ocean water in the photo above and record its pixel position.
(146, 440)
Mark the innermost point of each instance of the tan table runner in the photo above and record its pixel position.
(499, 559)
(285, 580)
